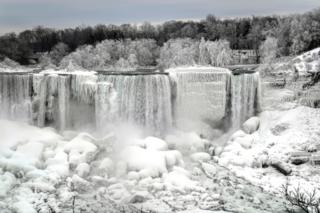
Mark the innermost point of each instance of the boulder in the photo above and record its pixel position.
(106, 166)
(282, 167)
(139, 197)
(298, 158)
(200, 157)
(237, 134)
(245, 142)
(251, 125)
(83, 169)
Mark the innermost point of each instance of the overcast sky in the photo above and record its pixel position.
(16, 15)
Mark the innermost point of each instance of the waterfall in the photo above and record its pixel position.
(142, 100)
(201, 96)
(105, 95)
(199, 99)
(83, 87)
(64, 97)
(245, 93)
(15, 96)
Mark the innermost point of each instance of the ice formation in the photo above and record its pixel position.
(245, 97)
(188, 98)
(201, 95)
(15, 96)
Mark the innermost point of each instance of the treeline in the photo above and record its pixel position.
(294, 33)
(131, 54)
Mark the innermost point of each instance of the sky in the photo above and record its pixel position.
(17, 15)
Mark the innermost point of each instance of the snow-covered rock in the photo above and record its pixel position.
(79, 183)
(186, 142)
(200, 157)
(179, 181)
(155, 144)
(7, 182)
(83, 169)
(142, 159)
(106, 166)
(59, 164)
(81, 149)
(251, 125)
(245, 142)
(173, 157)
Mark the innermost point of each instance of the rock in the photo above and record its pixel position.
(298, 158)
(282, 167)
(69, 135)
(210, 169)
(251, 125)
(139, 197)
(98, 180)
(256, 200)
(8, 181)
(200, 157)
(81, 149)
(133, 175)
(79, 183)
(237, 134)
(215, 151)
(83, 169)
(315, 160)
(312, 148)
(279, 128)
(106, 166)
(245, 142)
(155, 144)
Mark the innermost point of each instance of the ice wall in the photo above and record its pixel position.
(245, 97)
(15, 96)
(142, 100)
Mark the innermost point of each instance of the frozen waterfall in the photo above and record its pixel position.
(201, 96)
(142, 100)
(15, 96)
(245, 97)
(193, 99)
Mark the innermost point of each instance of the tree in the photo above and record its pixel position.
(269, 49)
(204, 57)
(58, 52)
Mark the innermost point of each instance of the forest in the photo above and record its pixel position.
(146, 44)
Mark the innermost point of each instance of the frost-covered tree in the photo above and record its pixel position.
(204, 57)
(219, 52)
(179, 52)
(111, 54)
(300, 36)
(58, 52)
(268, 49)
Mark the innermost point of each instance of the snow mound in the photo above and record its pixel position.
(308, 62)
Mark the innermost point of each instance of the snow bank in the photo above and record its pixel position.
(308, 62)
(186, 142)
